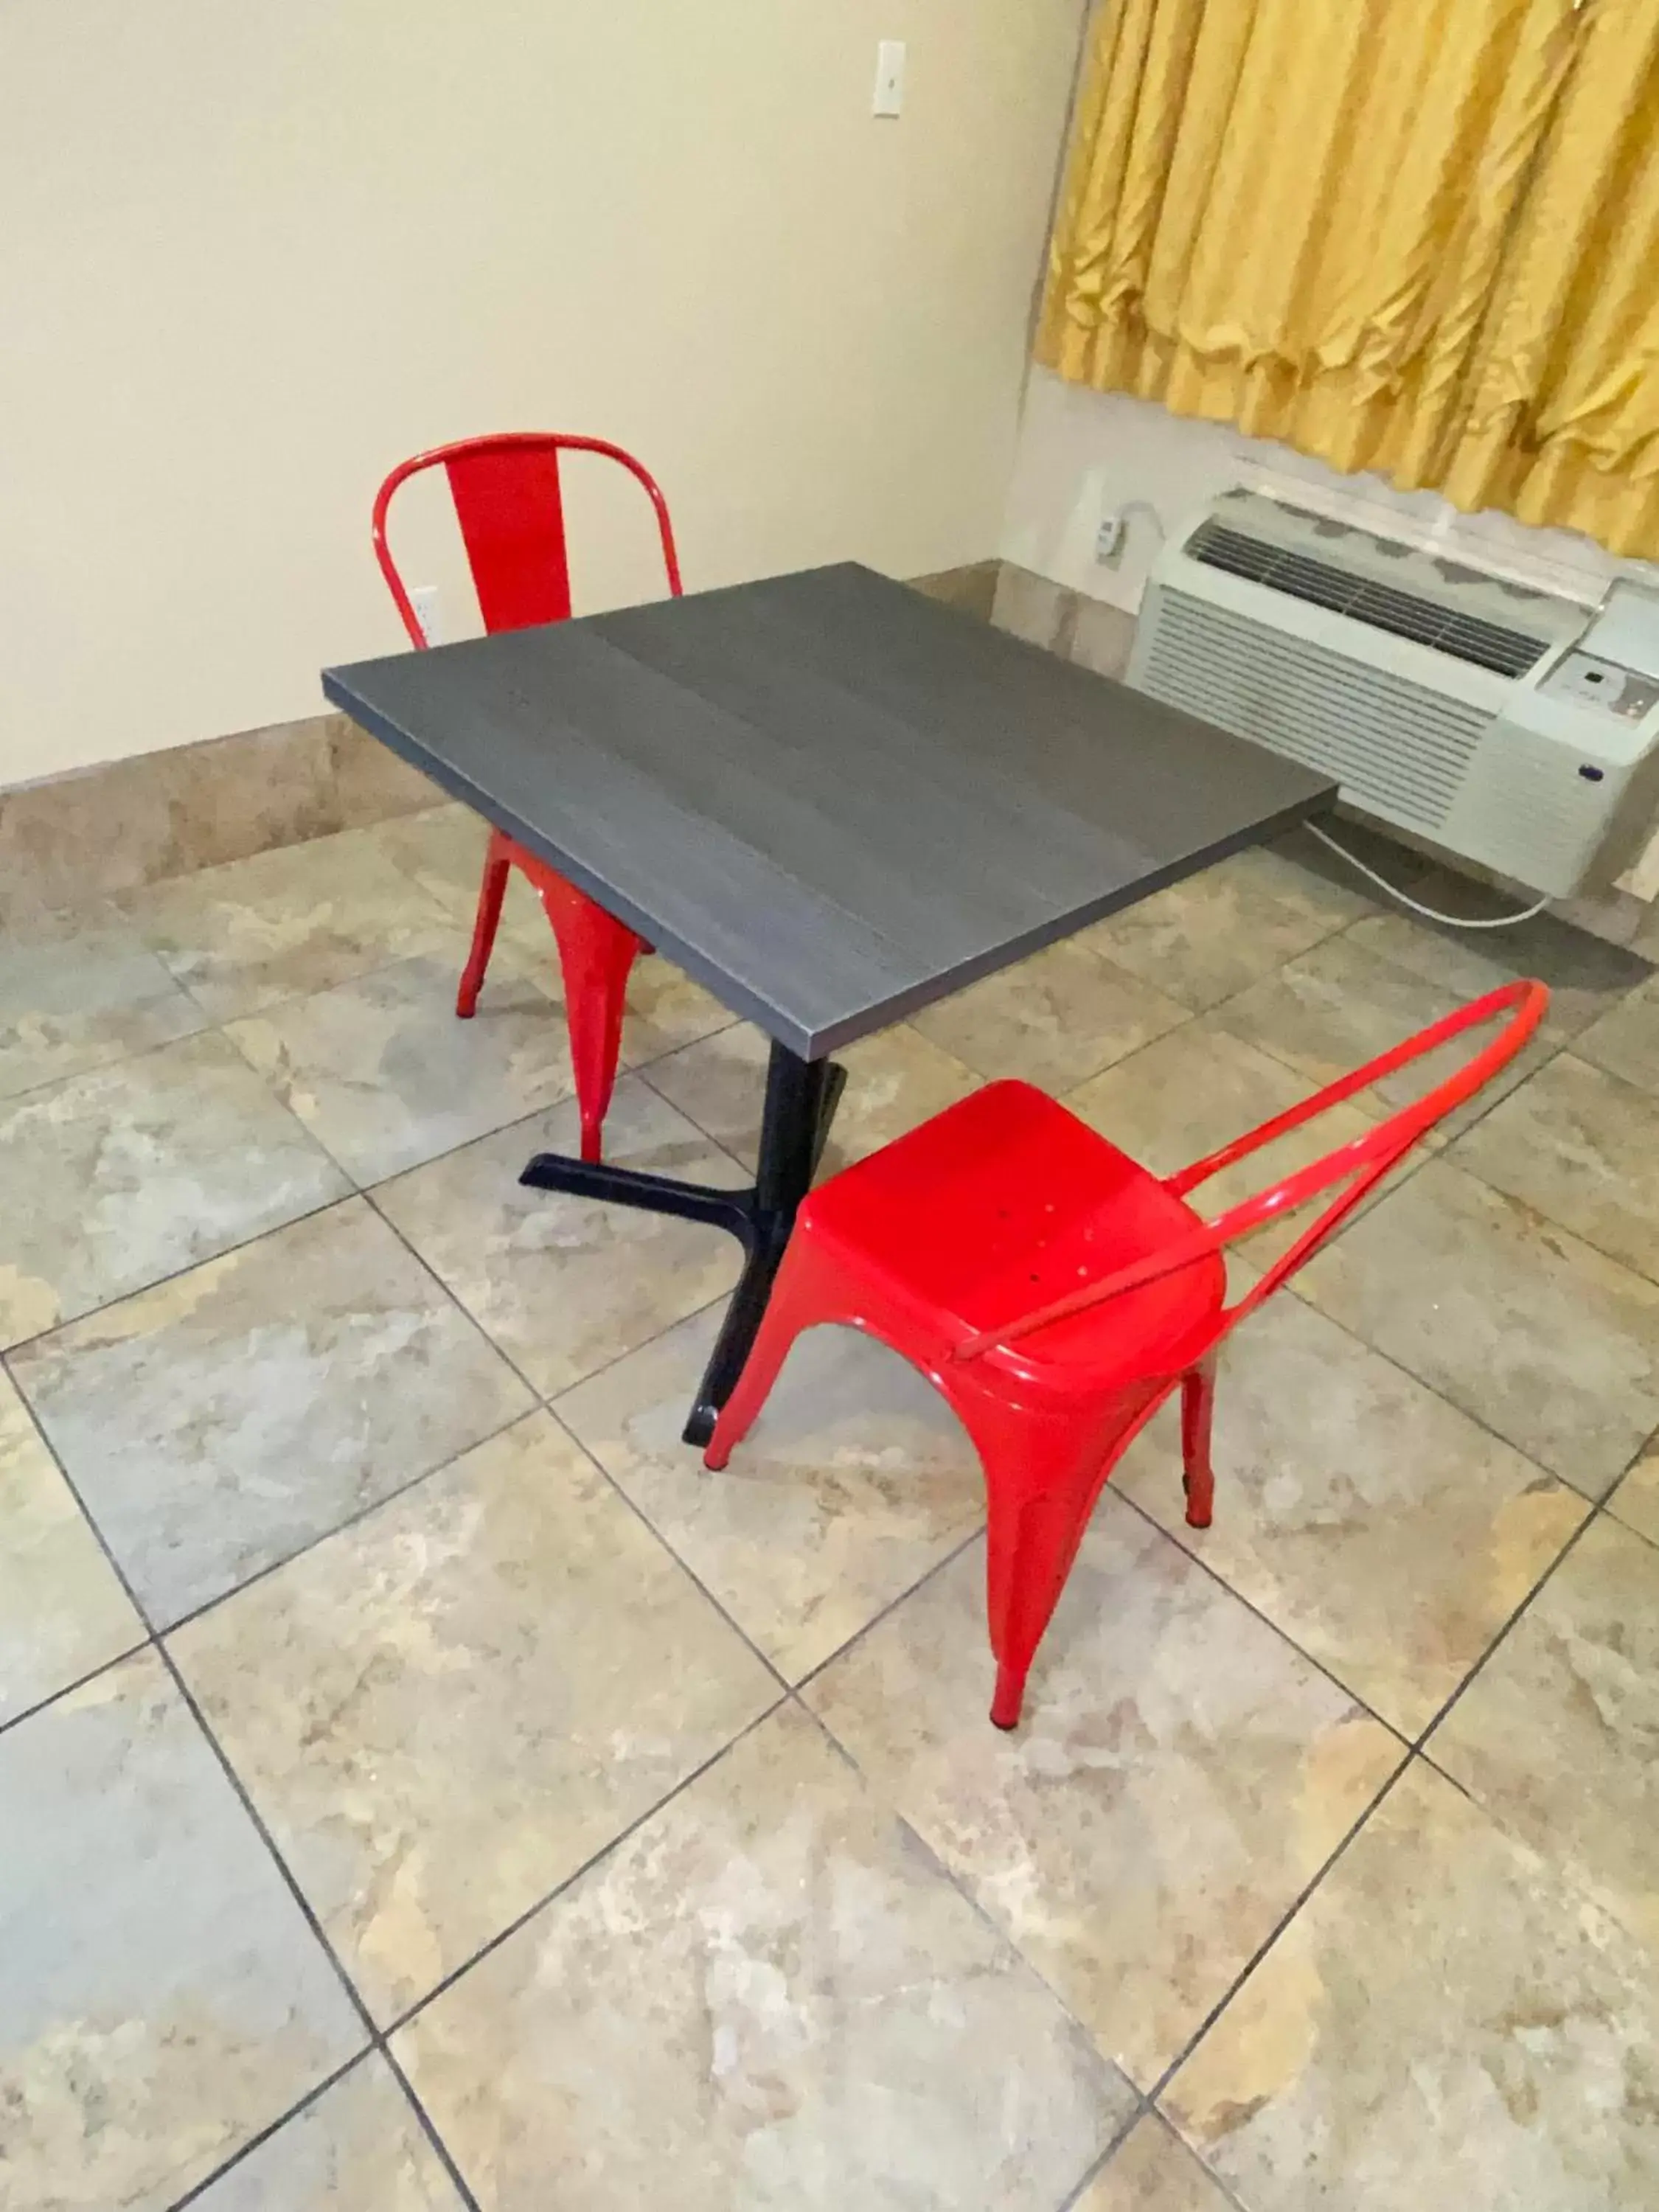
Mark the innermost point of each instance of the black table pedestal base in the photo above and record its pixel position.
(801, 1097)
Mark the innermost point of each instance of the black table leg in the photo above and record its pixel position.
(801, 1095)
(800, 1098)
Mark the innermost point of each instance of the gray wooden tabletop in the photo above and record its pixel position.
(826, 797)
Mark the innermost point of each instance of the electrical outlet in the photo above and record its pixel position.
(1109, 538)
(427, 602)
(889, 78)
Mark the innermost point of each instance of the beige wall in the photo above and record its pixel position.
(251, 254)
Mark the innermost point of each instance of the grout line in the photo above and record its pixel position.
(1281, 1634)
(174, 1274)
(1092, 2172)
(678, 1559)
(353, 1520)
(372, 1203)
(1145, 2110)
(73, 1488)
(376, 2036)
(875, 1621)
(1273, 1936)
(1475, 1420)
(503, 1935)
(451, 2164)
(262, 2136)
(116, 1058)
(947, 1875)
(143, 1642)
(289, 1881)
(1419, 1744)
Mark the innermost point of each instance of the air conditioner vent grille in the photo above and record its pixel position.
(1395, 747)
(1380, 606)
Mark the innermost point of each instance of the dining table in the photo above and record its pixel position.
(829, 800)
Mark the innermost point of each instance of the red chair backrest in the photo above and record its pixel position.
(1352, 1169)
(510, 506)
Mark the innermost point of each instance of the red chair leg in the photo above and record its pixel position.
(491, 891)
(802, 1296)
(1031, 1545)
(1043, 1476)
(596, 954)
(1197, 1419)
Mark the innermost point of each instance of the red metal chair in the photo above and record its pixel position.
(984, 1246)
(509, 504)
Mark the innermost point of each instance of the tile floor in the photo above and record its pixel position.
(422, 1785)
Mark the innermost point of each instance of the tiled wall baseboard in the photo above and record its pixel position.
(126, 823)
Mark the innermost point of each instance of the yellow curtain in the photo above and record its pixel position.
(1561, 415)
(1418, 236)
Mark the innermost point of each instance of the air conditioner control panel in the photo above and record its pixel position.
(1588, 681)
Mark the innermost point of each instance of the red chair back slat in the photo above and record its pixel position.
(511, 511)
(509, 503)
(1354, 1169)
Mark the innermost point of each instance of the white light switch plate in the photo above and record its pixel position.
(889, 78)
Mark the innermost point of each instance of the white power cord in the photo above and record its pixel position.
(1429, 913)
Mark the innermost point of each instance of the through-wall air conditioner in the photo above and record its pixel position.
(1496, 721)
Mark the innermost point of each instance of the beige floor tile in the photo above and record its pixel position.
(77, 990)
(666, 1009)
(1527, 1327)
(1557, 1735)
(1377, 1526)
(1184, 1097)
(854, 1481)
(1056, 1019)
(1582, 1147)
(217, 1423)
(768, 1996)
(1339, 1005)
(63, 1612)
(358, 2148)
(1179, 1776)
(443, 849)
(895, 1081)
(384, 1074)
(297, 919)
(1585, 974)
(1152, 2170)
(115, 1178)
(1202, 940)
(1635, 1500)
(445, 1710)
(562, 1285)
(1625, 1041)
(1444, 2023)
(162, 1999)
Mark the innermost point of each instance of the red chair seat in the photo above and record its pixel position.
(1007, 1201)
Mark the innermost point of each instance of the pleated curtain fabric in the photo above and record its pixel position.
(1417, 236)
